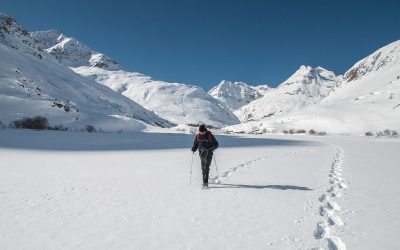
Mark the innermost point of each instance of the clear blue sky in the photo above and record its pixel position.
(202, 42)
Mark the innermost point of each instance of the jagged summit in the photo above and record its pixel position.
(16, 37)
(237, 94)
(9, 26)
(71, 52)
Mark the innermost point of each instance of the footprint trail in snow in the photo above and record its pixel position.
(330, 210)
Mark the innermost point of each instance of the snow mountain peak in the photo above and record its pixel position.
(310, 75)
(237, 94)
(71, 52)
(306, 86)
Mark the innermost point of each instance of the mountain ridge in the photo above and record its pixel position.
(176, 102)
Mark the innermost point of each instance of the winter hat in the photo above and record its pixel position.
(202, 128)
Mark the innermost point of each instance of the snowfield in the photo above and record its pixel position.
(71, 190)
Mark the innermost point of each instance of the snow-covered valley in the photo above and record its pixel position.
(46, 73)
(130, 185)
(69, 190)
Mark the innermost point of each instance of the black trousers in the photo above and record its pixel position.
(206, 158)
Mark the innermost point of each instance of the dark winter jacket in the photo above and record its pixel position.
(204, 142)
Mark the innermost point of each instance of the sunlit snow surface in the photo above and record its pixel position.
(70, 190)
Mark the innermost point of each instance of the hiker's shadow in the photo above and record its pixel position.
(279, 187)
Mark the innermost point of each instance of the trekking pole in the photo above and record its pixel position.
(216, 167)
(191, 169)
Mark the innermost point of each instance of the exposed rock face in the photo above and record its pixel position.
(384, 57)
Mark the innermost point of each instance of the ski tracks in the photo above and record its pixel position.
(330, 210)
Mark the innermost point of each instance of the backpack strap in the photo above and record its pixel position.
(209, 136)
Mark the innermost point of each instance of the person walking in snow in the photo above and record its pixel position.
(206, 143)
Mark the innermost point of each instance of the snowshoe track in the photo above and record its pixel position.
(246, 164)
(225, 174)
(330, 210)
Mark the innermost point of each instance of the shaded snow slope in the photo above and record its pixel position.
(366, 99)
(306, 86)
(237, 94)
(179, 103)
(33, 83)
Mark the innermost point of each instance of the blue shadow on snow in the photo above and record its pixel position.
(81, 141)
(279, 187)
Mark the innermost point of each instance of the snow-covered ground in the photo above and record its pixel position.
(71, 190)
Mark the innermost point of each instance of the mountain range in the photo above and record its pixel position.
(366, 99)
(48, 73)
(176, 102)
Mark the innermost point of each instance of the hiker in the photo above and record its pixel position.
(206, 143)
